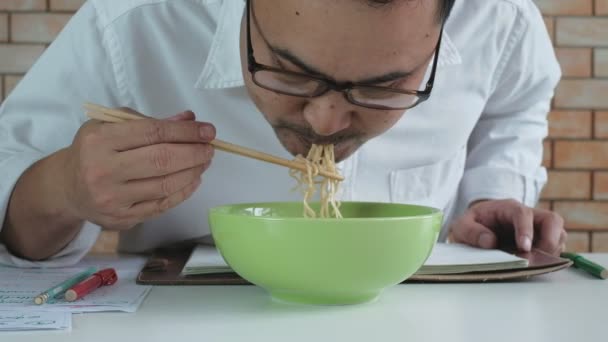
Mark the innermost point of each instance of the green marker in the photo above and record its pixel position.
(586, 265)
(64, 286)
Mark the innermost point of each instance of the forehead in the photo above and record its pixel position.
(349, 38)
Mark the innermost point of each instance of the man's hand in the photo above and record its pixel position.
(119, 175)
(508, 223)
(114, 174)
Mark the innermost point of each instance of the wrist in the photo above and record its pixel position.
(57, 201)
(38, 222)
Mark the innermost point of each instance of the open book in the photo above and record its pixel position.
(455, 258)
(444, 259)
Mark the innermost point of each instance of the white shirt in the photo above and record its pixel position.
(479, 136)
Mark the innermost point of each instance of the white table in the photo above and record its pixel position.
(565, 306)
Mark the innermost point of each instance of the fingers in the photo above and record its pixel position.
(551, 236)
(510, 219)
(185, 116)
(467, 230)
(161, 187)
(124, 173)
(142, 199)
(523, 223)
(161, 159)
(139, 133)
(150, 209)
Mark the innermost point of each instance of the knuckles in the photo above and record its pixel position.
(155, 132)
(167, 186)
(521, 210)
(207, 152)
(104, 202)
(160, 206)
(556, 220)
(161, 158)
(94, 176)
(92, 137)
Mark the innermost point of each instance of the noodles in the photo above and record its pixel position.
(319, 157)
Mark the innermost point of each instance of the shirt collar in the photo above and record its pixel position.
(222, 69)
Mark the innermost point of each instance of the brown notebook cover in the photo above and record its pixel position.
(165, 265)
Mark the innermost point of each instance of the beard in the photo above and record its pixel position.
(299, 139)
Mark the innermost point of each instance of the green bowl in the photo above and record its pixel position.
(325, 261)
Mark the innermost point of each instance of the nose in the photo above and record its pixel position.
(328, 114)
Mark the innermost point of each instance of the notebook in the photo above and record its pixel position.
(458, 258)
(444, 259)
(190, 263)
(205, 259)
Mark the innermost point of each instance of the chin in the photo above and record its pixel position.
(342, 152)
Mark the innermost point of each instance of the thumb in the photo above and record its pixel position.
(468, 231)
(184, 116)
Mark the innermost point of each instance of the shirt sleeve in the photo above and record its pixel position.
(44, 112)
(505, 148)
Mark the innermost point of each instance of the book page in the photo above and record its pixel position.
(447, 254)
(16, 320)
(19, 287)
(205, 259)
(458, 258)
(444, 259)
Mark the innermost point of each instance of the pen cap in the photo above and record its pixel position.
(108, 276)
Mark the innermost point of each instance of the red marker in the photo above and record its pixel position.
(104, 277)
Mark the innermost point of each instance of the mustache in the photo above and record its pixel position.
(309, 135)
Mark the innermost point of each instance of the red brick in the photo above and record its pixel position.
(601, 62)
(18, 58)
(547, 153)
(590, 31)
(3, 27)
(601, 7)
(10, 82)
(22, 5)
(601, 124)
(600, 242)
(600, 186)
(578, 242)
(66, 5)
(581, 154)
(568, 185)
(575, 62)
(583, 215)
(546, 205)
(570, 124)
(107, 242)
(582, 94)
(565, 7)
(37, 27)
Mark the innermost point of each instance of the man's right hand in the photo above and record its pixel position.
(120, 174)
(113, 174)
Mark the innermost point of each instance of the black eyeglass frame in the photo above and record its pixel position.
(344, 87)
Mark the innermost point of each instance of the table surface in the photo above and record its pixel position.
(568, 305)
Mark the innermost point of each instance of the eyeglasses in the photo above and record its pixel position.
(309, 86)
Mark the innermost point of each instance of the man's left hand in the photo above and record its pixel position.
(509, 223)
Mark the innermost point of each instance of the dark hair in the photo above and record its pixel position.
(445, 7)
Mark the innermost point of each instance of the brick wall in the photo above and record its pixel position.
(576, 151)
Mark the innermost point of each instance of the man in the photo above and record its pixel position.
(422, 109)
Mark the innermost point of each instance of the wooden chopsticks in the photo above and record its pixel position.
(105, 114)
